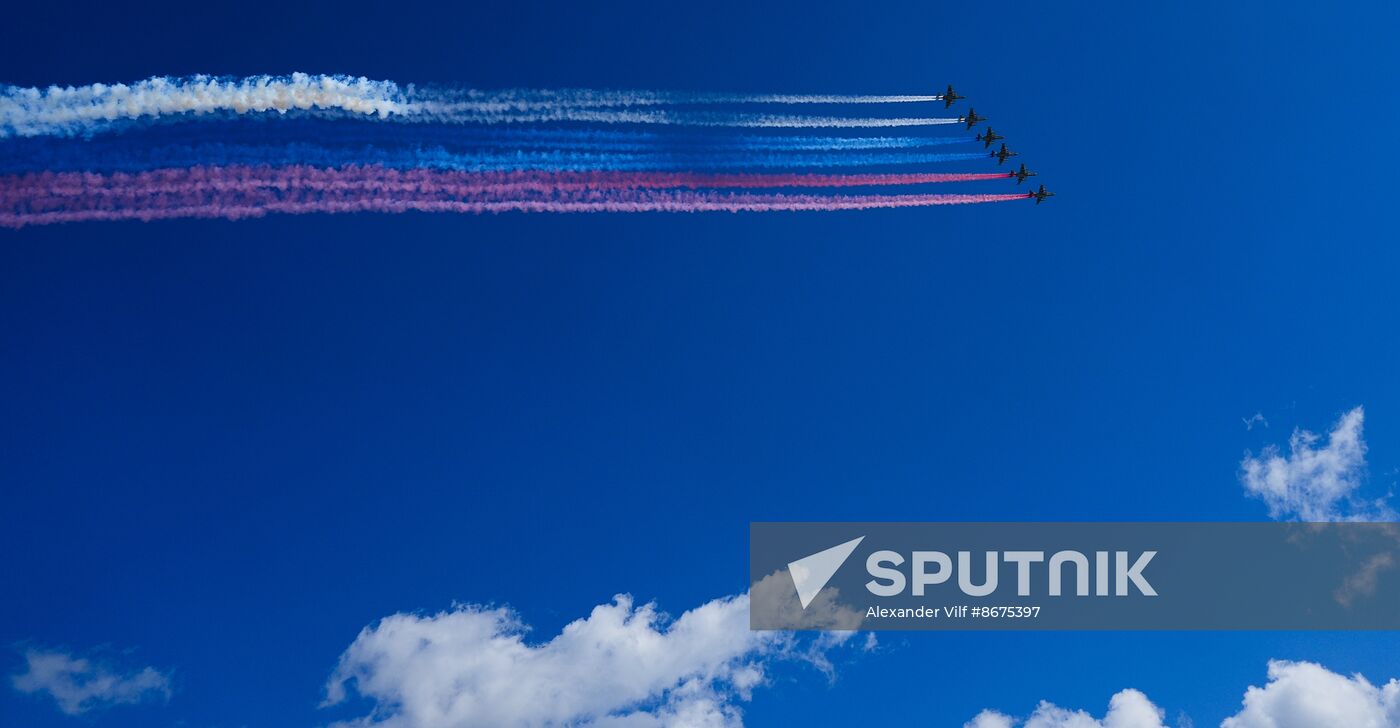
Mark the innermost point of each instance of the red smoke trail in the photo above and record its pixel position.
(238, 192)
(241, 206)
(660, 203)
(386, 180)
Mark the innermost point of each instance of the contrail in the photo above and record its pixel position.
(80, 110)
(246, 205)
(133, 158)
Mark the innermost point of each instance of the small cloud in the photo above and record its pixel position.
(1255, 419)
(79, 685)
(1363, 582)
(990, 719)
(1127, 709)
(1315, 481)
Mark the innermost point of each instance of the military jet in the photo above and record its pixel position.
(972, 118)
(1041, 195)
(1022, 173)
(988, 137)
(1003, 154)
(949, 97)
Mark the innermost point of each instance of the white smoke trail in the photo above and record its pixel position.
(70, 109)
(821, 99)
(459, 114)
(87, 109)
(538, 99)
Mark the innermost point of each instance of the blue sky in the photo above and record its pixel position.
(230, 447)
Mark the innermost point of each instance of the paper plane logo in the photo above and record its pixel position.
(811, 573)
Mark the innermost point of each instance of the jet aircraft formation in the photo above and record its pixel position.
(989, 137)
(231, 148)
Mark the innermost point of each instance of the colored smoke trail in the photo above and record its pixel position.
(93, 108)
(329, 132)
(256, 203)
(34, 191)
(243, 147)
(134, 158)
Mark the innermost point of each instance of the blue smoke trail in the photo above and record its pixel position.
(458, 137)
(90, 156)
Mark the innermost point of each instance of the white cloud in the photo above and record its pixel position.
(80, 684)
(1127, 709)
(990, 719)
(623, 665)
(1312, 482)
(1298, 695)
(1363, 582)
(1307, 695)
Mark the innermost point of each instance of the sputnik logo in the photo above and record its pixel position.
(811, 573)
